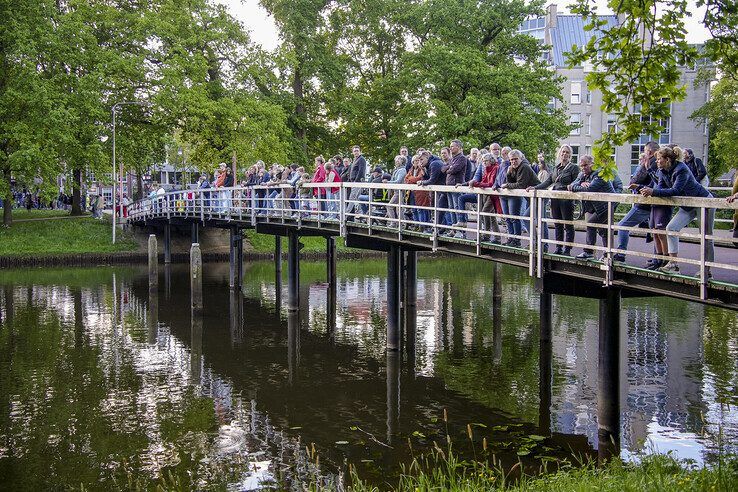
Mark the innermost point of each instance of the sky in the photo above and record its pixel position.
(264, 31)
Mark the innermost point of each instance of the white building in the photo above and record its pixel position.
(561, 32)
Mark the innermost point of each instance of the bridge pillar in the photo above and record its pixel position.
(394, 288)
(608, 376)
(236, 259)
(196, 346)
(545, 366)
(293, 271)
(153, 264)
(195, 232)
(167, 243)
(411, 278)
(393, 395)
(196, 279)
(293, 345)
(278, 256)
(330, 251)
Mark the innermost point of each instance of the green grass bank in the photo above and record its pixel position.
(59, 234)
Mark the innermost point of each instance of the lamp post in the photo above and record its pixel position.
(115, 109)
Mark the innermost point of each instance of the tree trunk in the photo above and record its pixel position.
(139, 187)
(297, 91)
(8, 202)
(76, 187)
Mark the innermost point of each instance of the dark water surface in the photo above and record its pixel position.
(104, 387)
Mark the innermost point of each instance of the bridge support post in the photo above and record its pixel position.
(236, 259)
(394, 288)
(195, 233)
(393, 395)
(411, 279)
(196, 280)
(293, 271)
(608, 377)
(545, 365)
(330, 252)
(293, 345)
(167, 243)
(153, 264)
(278, 256)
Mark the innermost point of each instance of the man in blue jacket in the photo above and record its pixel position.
(436, 176)
(589, 181)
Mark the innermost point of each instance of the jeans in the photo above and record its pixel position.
(332, 205)
(635, 216)
(515, 206)
(489, 223)
(598, 217)
(354, 195)
(462, 200)
(442, 203)
(525, 223)
(680, 221)
(364, 208)
(453, 203)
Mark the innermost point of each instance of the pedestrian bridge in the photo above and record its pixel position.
(362, 221)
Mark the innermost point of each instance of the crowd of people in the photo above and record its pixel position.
(664, 171)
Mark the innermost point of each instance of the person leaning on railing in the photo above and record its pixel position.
(562, 175)
(595, 212)
(397, 177)
(676, 180)
(422, 198)
(520, 176)
(646, 175)
(490, 203)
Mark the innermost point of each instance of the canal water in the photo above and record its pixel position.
(105, 387)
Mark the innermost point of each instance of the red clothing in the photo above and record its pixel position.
(422, 198)
(488, 181)
(333, 177)
(220, 179)
(319, 177)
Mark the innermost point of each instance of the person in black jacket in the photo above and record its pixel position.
(563, 174)
(696, 166)
(645, 176)
(436, 176)
(595, 211)
(357, 174)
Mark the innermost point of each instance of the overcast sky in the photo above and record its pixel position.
(264, 32)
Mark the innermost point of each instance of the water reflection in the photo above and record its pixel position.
(106, 380)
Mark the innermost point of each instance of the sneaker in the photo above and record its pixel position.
(708, 274)
(510, 242)
(558, 250)
(459, 235)
(584, 256)
(566, 252)
(618, 257)
(670, 267)
(654, 264)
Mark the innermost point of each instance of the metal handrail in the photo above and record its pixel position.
(252, 204)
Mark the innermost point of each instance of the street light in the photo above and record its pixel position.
(115, 108)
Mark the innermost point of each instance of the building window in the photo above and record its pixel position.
(574, 154)
(587, 96)
(612, 124)
(552, 104)
(576, 93)
(588, 125)
(576, 119)
(635, 156)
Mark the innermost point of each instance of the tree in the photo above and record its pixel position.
(424, 72)
(721, 114)
(203, 68)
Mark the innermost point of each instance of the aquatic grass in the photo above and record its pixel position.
(445, 471)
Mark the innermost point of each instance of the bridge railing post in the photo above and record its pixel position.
(202, 206)
(703, 229)
(253, 207)
(435, 221)
(400, 213)
(166, 204)
(609, 273)
(541, 224)
(479, 224)
(532, 214)
(342, 209)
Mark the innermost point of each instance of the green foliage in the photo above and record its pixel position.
(721, 114)
(635, 65)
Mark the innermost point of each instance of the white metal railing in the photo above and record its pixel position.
(394, 208)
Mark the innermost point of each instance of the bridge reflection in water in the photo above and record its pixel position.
(280, 380)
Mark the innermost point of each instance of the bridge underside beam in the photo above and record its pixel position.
(284, 230)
